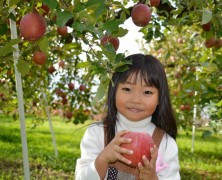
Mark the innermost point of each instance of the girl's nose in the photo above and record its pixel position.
(136, 97)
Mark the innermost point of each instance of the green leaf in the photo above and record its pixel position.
(97, 6)
(63, 17)
(86, 18)
(43, 44)
(101, 91)
(52, 4)
(219, 104)
(78, 6)
(207, 16)
(123, 16)
(5, 51)
(83, 64)
(120, 32)
(218, 60)
(100, 10)
(91, 3)
(23, 67)
(13, 2)
(71, 46)
(110, 52)
(3, 28)
(8, 48)
(119, 57)
(121, 66)
(112, 25)
(79, 26)
(206, 134)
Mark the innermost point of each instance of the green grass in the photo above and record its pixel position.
(203, 163)
(42, 160)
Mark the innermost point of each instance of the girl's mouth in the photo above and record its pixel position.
(135, 110)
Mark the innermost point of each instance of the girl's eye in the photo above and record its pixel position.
(148, 92)
(126, 89)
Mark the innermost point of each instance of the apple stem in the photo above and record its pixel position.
(20, 99)
(50, 124)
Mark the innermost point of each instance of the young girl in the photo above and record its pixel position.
(138, 100)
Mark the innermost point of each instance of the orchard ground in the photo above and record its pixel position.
(203, 163)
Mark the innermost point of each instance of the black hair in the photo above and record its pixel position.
(152, 72)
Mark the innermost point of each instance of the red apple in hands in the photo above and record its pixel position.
(32, 26)
(39, 57)
(141, 15)
(109, 39)
(141, 144)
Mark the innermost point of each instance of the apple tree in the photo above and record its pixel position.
(80, 46)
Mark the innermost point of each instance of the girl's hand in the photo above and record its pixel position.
(148, 171)
(113, 152)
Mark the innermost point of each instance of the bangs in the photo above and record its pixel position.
(144, 69)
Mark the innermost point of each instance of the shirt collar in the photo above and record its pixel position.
(139, 124)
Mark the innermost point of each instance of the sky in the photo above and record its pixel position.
(129, 43)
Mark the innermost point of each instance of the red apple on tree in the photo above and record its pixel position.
(39, 57)
(32, 26)
(71, 86)
(64, 101)
(209, 43)
(69, 115)
(141, 15)
(218, 43)
(187, 107)
(63, 31)
(45, 9)
(82, 87)
(59, 92)
(109, 39)
(51, 69)
(141, 144)
(61, 64)
(154, 3)
(182, 107)
(206, 27)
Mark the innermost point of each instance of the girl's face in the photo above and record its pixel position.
(135, 99)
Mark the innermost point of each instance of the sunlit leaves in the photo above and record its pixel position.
(43, 44)
(23, 67)
(63, 17)
(112, 25)
(8, 48)
(207, 16)
(13, 2)
(52, 4)
(101, 92)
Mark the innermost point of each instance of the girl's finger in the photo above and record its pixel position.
(154, 154)
(123, 159)
(145, 161)
(120, 140)
(140, 167)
